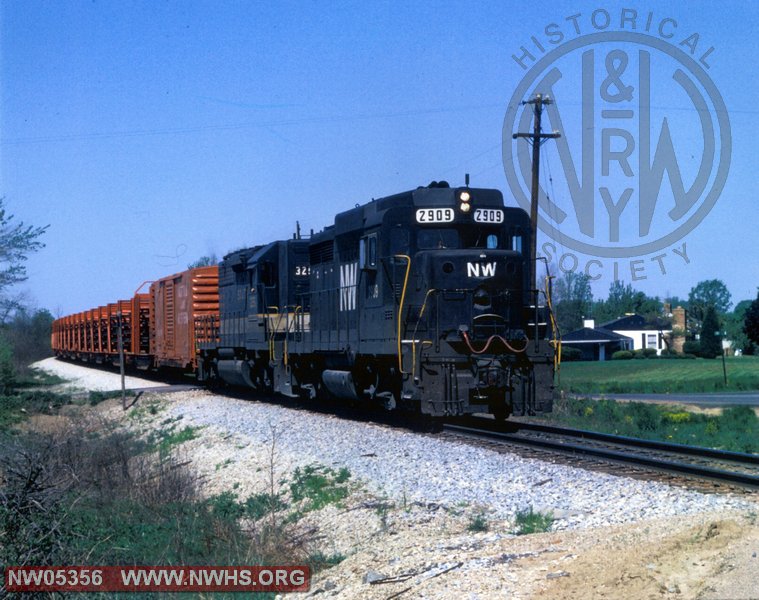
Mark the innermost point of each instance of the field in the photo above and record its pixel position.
(736, 428)
(659, 376)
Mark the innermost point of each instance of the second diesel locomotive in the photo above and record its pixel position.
(419, 300)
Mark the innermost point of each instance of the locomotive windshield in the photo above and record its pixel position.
(428, 239)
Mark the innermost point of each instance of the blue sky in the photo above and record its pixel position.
(147, 134)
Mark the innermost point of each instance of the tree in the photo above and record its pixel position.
(16, 242)
(733, 323)
(572, 300)
(625, 299)
(751, 321)
(29, 335)
(204, 261)
(711, 292)
(711, 339)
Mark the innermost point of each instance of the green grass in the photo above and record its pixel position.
(17, 407)
(318, 486)
(660, 376)
(320, 561)
(736, 429)
(168, 438)
(96, 398)
(37, 378)
(529, 521)
(478, 523)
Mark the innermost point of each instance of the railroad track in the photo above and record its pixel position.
(709, 469)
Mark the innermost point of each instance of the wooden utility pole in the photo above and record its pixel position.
(535, 138)
(121, 360)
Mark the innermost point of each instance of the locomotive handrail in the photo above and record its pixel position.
(416, 328)
(556, 341)
(296, 309)
(272, 355)
(400, 308)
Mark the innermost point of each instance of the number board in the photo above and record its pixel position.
(435, 215)
(488, 215)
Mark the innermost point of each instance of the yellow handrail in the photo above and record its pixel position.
(400, 308)
(556, 341)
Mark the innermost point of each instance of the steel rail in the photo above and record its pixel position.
(698, 451)
(669, 466)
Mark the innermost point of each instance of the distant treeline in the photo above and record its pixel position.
(24, 339)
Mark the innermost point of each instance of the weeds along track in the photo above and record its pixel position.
(705, 469)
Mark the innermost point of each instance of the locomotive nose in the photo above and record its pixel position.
(485, 273)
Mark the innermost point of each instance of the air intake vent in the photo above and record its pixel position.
(322, 252)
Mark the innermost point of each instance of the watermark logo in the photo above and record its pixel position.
(645, 142)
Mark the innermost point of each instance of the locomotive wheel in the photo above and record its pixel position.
(501, 413)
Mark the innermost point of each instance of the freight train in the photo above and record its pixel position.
(419, 301)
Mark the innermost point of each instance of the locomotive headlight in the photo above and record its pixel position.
(465, 207)
(464, 196)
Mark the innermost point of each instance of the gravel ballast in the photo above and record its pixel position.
(410, 467)
(93, 379)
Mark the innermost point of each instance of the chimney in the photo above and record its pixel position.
(679, 329)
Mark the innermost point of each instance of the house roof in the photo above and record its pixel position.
(586, 335)
(634, 323)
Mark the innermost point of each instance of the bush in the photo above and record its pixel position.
(692, 347)
(568, 354)
(478, 523)
(649, 352)
(7, 367)
(78, 498)
(622, 355)
(529, 521)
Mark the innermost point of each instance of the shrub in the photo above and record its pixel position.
(692, 347)
(478, 523)
(622, 355)
(78, 498)
(319, 485)
(646, 417)
(568, 354)
(676, 417)
(7, 368)
(528, 521)
(649, 352)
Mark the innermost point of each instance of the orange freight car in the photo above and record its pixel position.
(92, 335)
(178, 303)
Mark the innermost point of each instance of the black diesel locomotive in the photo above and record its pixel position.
(420, 300)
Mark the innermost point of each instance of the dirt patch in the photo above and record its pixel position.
(684, 559)
(694, 557)
(47, 424)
